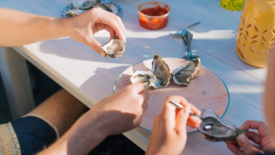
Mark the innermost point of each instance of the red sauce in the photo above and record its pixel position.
(155, 11)
(154, 22)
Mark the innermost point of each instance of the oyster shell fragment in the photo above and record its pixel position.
(186, 73)
(114, 48)
(162, 71)
(214, 129)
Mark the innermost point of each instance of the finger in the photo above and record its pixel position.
(111, 20)
(195, 109)
(122, 26)
(169, 113)
(145, 94)
(258, 125)
(111, 31)
(246, 145)
(144, 106)
(235, 150)
(181, 119)
(193, 125)
(95, 45)
(137, 87)
(253, 136)
(194, 121)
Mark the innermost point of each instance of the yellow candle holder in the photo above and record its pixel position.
(256, 32)
(232, 5)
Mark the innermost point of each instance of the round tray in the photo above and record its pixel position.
(119, 11)
(207, 90)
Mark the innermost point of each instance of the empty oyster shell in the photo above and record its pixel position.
(214, 129)
(147, 78)
(162, 71)
(114, 48)
(186, 73)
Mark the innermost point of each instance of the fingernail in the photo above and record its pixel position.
(242, 139)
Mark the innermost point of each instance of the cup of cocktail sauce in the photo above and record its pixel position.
(153, 15)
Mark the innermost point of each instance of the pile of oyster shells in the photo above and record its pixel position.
(161, 75)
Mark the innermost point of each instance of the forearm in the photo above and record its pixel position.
(80, 139)
(18, 28)
(269, 97)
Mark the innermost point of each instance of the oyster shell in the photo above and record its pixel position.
(186, 73)
(162, 71)
(147, 78)
(74, 12)
(88, 4)
(214, 129)
(114, 48)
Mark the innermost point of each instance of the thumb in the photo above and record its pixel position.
(95, 45)
(247, 146)
(181, 119)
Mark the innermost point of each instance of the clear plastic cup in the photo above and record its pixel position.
(153, 22)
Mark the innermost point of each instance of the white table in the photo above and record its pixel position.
(89, 77)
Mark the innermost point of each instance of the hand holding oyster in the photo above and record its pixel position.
(114, 48)
(214, 129)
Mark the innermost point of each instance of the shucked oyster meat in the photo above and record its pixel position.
(162, 71)
(214, 129)
(147, 78)
(158, 78)
(186, 73)
(114, 48)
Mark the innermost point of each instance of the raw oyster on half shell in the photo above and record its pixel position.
(114, 48)
(186, 73)
(147, 78)
(162, 72)
(214, 129)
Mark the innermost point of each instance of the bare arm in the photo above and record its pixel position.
(18, 28)
(110, 116)
(269, 94)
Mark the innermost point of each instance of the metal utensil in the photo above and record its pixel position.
(187, 37)
(180, 107)
(181, 33)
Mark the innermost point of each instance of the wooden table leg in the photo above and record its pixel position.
(16, 81)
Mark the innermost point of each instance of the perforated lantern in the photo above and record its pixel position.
(256, 32)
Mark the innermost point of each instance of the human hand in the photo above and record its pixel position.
(169, 133)
(83, 27)
(120, 111)
(263, 140)
(114, 114)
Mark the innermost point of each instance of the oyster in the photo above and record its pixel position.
(89, 4)
(162, 71)
(114, 48)
(186, 73)
(158, 78)
(74, 12)
(147, 78)
(214, 129)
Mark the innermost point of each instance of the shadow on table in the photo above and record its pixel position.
(101, 84)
